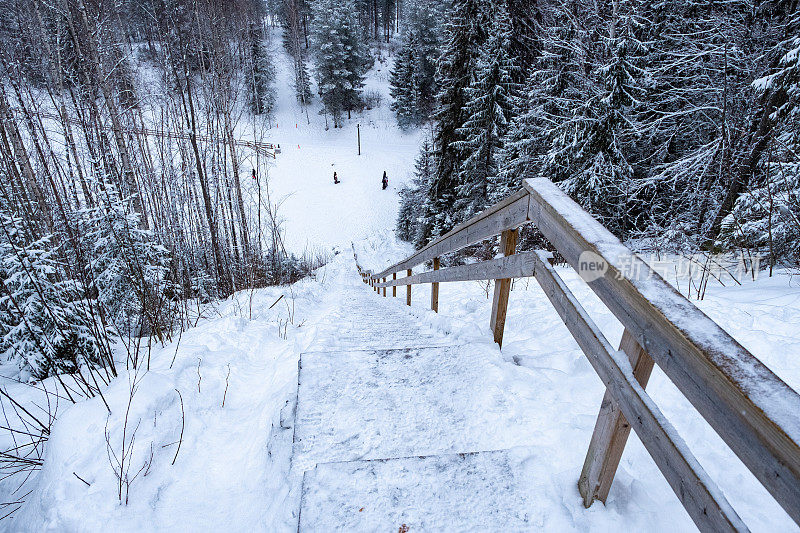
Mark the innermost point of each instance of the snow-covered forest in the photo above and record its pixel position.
(183, 185)
(673, 121)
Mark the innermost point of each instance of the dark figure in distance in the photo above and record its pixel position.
(335, 179)
(385, 180)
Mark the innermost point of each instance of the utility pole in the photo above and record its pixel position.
(358, 130)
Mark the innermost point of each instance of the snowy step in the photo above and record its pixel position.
(370, 323)
(378, 404)
(354, 340)
(485, 491)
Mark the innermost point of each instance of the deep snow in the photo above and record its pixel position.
(233, 469)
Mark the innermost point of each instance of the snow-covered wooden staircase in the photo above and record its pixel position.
(397, 427)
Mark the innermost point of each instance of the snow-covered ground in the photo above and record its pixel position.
(199, 465)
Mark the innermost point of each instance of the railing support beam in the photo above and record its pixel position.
(394, 287)
(408, 289)
(384, 289)
(508, 245)
(435, 289)
(611, 430)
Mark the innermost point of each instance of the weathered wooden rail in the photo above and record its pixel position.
(754, 411)
(264, 148)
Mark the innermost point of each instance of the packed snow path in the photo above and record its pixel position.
(390, 414)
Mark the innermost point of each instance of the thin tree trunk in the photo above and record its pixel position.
(116, 125)
(191, 123)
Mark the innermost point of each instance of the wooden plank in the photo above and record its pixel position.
(514, 266)
(434, 288)
(508, 214)
(384, 288)
(408, 289)
(702, 499)
(502, 287)
(611, 430)
(394, 287)
(752, 409)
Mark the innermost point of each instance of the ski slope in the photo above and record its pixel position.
(316, 213)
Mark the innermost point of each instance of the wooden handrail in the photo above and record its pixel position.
(751, 408)
(701, 497)
(508, 214)
(513, 266)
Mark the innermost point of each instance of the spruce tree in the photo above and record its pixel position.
(262, 78)
(553, 88)
(767, 217)
(401, 82)
(695, 63)
(424, 19)
(412, 197)
(128, 266)
(341, 56)
(293, 13)
(45, 327)
(493, 101)
(589, 151)
(413, 81)
(517, 158)
(526, 19)
(465, 32)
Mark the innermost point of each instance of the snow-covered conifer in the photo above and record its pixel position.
(767, 217)
(464, 34)
(413, 196)
(588, 154)
(128, 266)
(341, 56)
(45, 326)
(401, 81)
(262, 73)
(494, 98)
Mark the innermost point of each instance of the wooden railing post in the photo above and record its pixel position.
(508, 245)
(384, 289)
(394, 287)
(611, 431)
(435, 289)
(408, 289)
